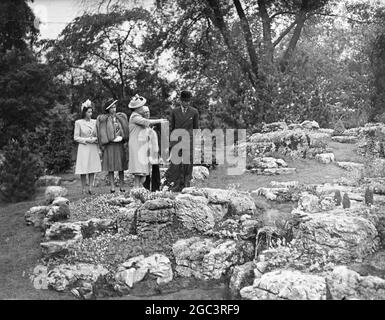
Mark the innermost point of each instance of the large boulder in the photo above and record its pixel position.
(286, 285)
(347, 284)
(200, 173)
(46, 181)
(206, 258)
(53, 192)
(345, 139)
(135, 269)
(237, 203)
(325, 157)
(66, 276)
(241, 276)
(339, 236)
(311, 125)
(36, 215)
(350, 166)
(195, 213)
(274, 126)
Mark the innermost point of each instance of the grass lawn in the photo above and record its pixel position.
(19, 244)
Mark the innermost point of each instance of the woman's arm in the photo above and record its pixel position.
(77, 136)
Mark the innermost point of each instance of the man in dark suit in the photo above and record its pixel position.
(186, 117)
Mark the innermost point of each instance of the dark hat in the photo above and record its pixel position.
(185, 95)
(110, 103)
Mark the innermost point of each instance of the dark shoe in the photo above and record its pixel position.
(90, 192)
(112, 191)
(122, 190)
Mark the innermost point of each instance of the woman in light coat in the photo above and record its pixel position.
(87, 160)
(139, 143)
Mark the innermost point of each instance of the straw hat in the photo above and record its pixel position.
(137, 101)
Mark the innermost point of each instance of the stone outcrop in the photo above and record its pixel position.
(136, 269)
(350, 165)
(348, 284)
(238, 203)
(269, 166)
(345, 139)
(325, 157)
(338, 236)
(206, 258)
(53, 192)
(241, 276)
(61, 236)
(46, 181)
(65, 276)
(286, 285)
(200, 173)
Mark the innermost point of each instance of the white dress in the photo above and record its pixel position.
(88, 159)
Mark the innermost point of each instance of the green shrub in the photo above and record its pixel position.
(19, 172)
(57, 151)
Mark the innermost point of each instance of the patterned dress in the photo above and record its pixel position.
(88, 159)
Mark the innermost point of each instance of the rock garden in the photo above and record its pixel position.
(326, 244)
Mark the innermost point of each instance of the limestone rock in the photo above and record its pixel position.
(286, 285)
(307, 124)
(345, 139)
(284, 184)
(58, 213)
(64, 231)
(52, 192)
(64, 276)
(46, 181)
(208, 258)
(242, 276)
(59, 201)
(200, 173)
(325, 157)
(35, 216)
(340, 237)
(309, 203)
(348, 284)
(350, 165)
(238, 203)
(136, 269)
(195, 213)
(274, 126)
(52, 248)
(276, 194)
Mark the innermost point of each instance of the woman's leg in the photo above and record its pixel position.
(83, 179)
(112, 182)
(91, 179)
(121, 180)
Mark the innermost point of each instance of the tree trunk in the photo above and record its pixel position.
(378, 67)
(219, 22)
(300, 22)
(268, 56)
(248, 37)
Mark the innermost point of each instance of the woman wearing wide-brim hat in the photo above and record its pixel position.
(112, 130)
(138, 146)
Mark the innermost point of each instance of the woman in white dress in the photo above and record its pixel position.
(88, 159)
